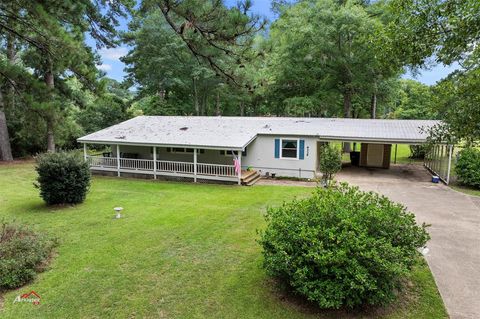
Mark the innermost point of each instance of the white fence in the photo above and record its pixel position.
(439, 160)
(170, 168)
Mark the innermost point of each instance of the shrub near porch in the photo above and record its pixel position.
(181, 251)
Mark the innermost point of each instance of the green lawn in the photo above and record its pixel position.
(465, 189)
(403, 155)
(182, 251)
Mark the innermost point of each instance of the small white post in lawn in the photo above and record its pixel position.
(154, 162)
(239, 153)
(117, 212)
(450, 150)
(85, 152)
(118, 160)
(195, 165)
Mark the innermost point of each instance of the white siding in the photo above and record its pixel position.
(261, 157)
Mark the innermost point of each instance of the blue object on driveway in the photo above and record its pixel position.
(435, 179)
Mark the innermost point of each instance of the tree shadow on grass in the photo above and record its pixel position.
(41, 207)
(290, 299)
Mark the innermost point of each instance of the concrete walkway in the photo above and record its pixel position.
(454, 255)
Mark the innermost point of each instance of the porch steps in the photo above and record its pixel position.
(250, 177)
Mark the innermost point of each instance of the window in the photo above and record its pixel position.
(230, 153)
(183, 150)
(289, 149)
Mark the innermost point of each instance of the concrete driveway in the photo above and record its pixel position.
(454, 255)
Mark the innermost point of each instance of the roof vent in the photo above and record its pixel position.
(122, 137)
(183, 128)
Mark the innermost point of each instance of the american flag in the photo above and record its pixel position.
(236, 163)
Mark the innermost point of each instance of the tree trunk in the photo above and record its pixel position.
(242, 109)
(11, 87)
(49, 80)
(373, 106)
(161, 94)
(10, 48)
(203, 107)
(347, 113)
(5, 149)
(217, 106)
(50, 135)
(347, 104)
(195, 97)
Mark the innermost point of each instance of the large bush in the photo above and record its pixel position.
(23, 253)
(468, 167)
(342, 247)
(63, 178)
(330, 162)
(418, 151)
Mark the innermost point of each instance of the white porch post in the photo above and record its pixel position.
(118, 160)
(154, 162)
(85, 152)
(240, 165)
(450, 150)
(195, 165)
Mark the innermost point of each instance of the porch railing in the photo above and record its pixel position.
(215, 169)
(99, 161)
(171, 167)
(175, 167)
(136, 164)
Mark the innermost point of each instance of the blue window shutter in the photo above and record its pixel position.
(301, 153)
(277, 148)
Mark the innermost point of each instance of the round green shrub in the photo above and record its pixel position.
(63, 178)
(341, 246)
(330, 162)
(23, 253)
(467, 167)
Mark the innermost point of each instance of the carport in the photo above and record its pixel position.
(381, 151)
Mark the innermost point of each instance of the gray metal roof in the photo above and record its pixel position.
(238, 132)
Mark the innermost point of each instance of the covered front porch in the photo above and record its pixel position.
(169, 161)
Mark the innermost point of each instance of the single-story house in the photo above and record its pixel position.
(239, 149)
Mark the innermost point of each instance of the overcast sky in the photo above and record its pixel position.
(115, 68)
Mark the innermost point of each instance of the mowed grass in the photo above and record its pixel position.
(465, 189)
(403, 155)
(181, 251)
